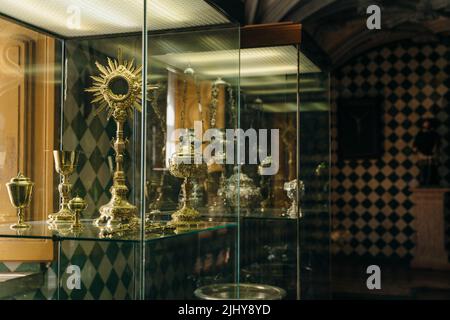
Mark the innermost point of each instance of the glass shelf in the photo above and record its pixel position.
(154, 231)
(267, 214)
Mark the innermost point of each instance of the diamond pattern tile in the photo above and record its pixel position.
(107, 271)
(414, 81)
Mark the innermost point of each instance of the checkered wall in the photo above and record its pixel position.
(371, 198)
(107, 272)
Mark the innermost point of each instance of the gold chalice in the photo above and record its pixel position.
(183, 165)
(65, 164)
(20, 190)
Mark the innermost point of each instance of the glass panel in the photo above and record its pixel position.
(193, 81)
(315, 174)
(30, 76)
(270, 216)
(98, 270)
(109, 154)
(101, 121)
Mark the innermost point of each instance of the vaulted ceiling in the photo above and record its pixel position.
(339, 26)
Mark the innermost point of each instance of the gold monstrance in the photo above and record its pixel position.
(118, 88)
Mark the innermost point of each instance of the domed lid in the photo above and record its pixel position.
(20, 179)
(77, 203)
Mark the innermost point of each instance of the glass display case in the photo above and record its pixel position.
(284, 239)
(150, 152)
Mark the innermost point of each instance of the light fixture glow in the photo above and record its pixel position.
(99, 17)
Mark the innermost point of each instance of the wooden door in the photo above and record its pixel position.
(27, 106)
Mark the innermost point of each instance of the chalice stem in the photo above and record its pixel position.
(119, 145)
(21, 215)
(77, 220)
(64, 189)
(186, 192)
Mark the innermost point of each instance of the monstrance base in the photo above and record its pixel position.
(118, 215)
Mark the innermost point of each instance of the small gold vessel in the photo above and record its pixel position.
(77, 205)
(20, 190)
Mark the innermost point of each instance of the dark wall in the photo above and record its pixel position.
(372, 198)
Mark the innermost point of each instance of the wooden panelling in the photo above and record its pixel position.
(268, 35)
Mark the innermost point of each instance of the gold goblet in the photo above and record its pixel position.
(183, 164)
(65, 164)
(20, 190)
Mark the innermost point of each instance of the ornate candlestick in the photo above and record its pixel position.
(77, 205)
(65, 164)
(20, 190)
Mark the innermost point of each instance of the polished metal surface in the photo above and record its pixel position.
(65, 164)
(77, 205)
(117, 88)
(20, 191)
(243, 291)
(182, 164)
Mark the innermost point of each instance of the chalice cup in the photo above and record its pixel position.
(20, 190)
(65, 164)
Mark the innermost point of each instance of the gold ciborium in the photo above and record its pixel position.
(20, 190)
(186, 164)
(65, 164)
(77, 205)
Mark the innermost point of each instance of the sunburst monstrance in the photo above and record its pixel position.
(118, 88)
